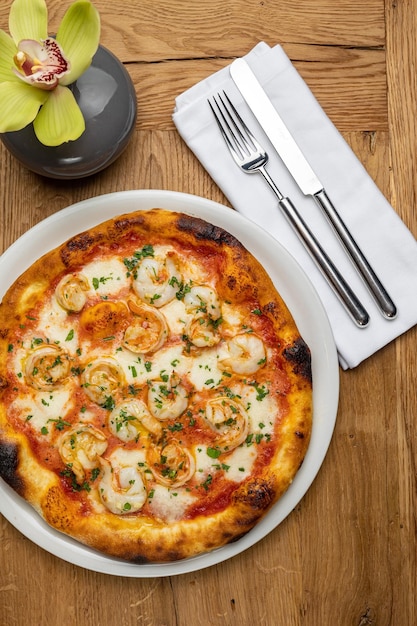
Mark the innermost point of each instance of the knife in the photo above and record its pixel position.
(304, 176)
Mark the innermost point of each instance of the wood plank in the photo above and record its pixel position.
(189, 29)
(402, 98)
(349, 85)
(401, 18)
(356, 507)
(156, 30)
(347, 77)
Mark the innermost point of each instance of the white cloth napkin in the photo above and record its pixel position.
(379, 232)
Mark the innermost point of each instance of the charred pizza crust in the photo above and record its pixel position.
(237, 468)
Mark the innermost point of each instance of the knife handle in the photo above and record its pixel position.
(372, 281)
(324, 263)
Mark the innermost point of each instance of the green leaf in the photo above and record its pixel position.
(7, 51)
(19, 104)
(60, 119)
(213, 453)
(79, 36)
(28, 19)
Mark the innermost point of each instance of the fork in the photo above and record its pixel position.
(250, 156)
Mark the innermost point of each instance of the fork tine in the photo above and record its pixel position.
(224, 126)
(255, 144)
(220, 125)
(240, 141)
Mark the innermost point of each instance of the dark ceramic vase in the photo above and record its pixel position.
(107, 98)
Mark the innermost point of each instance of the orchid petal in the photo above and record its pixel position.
(79, 36)
(40, 64)
(60, 119)
(28, 19)
(7, 51)
(19, 105)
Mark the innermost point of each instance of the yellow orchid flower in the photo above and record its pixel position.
(35, 69)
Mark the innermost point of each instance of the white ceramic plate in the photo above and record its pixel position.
(302, 301)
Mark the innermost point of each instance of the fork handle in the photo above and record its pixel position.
(324, 263)
(387, 306)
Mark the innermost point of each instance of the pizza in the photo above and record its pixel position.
(155, 392)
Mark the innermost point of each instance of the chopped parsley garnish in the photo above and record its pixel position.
(109, 403)
(261, 391)
(122, 419)
(68, 473)
(95, 473)
(155, 297)
(213, 453)
(70, 335)
(132, 263)
(229, 393)
(164, 376)
(206, 484)
(100, 281)
(183, 288)
(175, 427)
(59, 423)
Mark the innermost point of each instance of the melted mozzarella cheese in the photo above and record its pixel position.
(240, 462)
(121, 457)
(258, 410)
(87, 417)
(176, 316)
(204, 371)
(194, 272)
(133, 367)
(233, 320)
(168, 360)
(236, 465)
(169, 505)
(54, 325)
(139, 369)
(204, 463)
(107, 276)
(122, 489)
(40, 409)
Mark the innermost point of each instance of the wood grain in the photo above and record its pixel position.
(346, 555)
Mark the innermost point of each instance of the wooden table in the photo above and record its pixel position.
(347, 553)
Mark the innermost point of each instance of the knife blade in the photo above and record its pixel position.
(305, 177)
